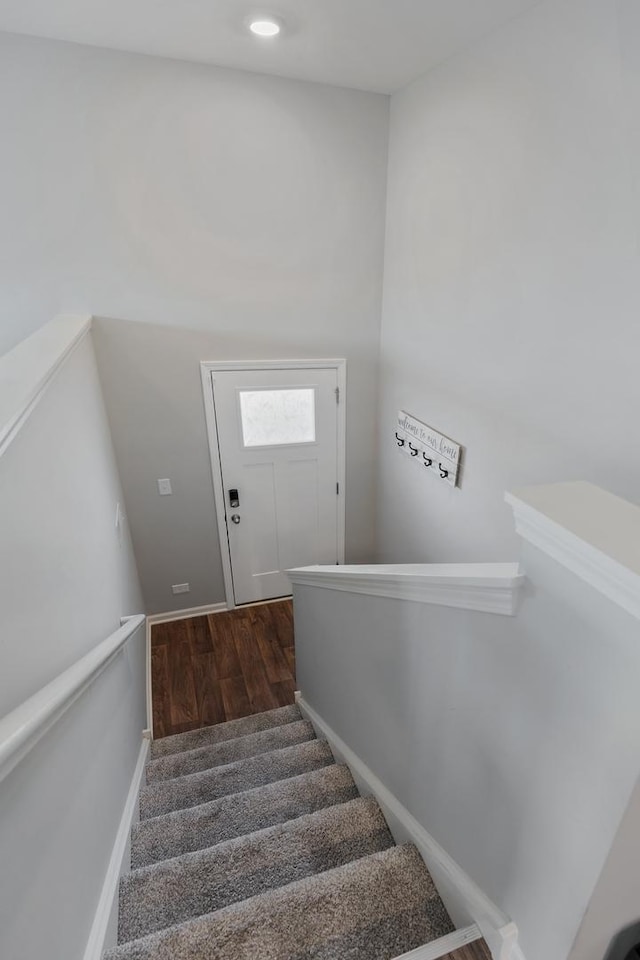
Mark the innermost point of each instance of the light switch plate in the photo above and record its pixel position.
(164, 488)
(181, 588)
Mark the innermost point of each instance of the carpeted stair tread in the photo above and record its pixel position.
(196, 828)
(375, 908)
(179, 793)
(176, 890)
(224, 731)
(228, 751)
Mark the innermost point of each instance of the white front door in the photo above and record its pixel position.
(277, 435)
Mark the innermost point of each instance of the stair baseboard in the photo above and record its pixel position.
(187, 612)
(445, 945)
(104, 929)
(464, 900)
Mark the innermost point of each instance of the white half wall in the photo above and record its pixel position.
(68, 576)
(512, 293)
(61, 809)
(616, 900)
(514, 741)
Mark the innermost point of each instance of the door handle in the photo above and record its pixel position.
(235, 518)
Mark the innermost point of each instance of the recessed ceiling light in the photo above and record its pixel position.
(265, 26)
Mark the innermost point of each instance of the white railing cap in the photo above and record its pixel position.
(26, 371)
(589, 531)
(485, 587)
(21, 729)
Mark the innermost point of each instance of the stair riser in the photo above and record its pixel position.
(370, 909)
(182, 793)
(293, 868)
(221, 732)
(204, 826)
(230, 751)
(161, 902)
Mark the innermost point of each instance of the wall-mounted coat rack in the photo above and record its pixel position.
(436, 454)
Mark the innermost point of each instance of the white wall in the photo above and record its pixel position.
(513, 741)
(512, 281)
(67, 575)
(67, 578)
(159, 430)
(616, 899)
(243, 208)
(163, 191)
(61, 808)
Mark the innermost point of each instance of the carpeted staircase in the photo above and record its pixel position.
(253, 844)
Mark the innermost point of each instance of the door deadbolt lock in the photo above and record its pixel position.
(234, 499)
(235, 518)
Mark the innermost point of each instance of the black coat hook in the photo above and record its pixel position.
(427, 460)
(401, 441)
(443, 473)
(414, 451)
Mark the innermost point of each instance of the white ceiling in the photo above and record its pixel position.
(378, 45)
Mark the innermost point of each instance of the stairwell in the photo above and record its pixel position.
(473, 700)
(254, 843)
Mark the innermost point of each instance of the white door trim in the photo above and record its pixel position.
(208, 367)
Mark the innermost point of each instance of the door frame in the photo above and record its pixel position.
(209, 367)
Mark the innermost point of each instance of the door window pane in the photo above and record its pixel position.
(276, 417)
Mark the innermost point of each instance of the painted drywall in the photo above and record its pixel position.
(616, 899)
(512, 280)
(246, 211)
(153, 392)
(68, 575)
(513, 741)
(61, 809)
(168, 192)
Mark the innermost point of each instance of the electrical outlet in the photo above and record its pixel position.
(181, 588)
(164, 488)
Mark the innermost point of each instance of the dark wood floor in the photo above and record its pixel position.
(473, 951)
(222, 666)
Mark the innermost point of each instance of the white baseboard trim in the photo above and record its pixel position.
(172, 615)
(263, 603)
(443, 946)
(464, 900)
(105, 917)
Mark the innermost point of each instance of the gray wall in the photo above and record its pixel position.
(513, 741)
(244, 212)
(511, 298)
(153, 391)
(616, 899)
(67, 578)
(167, 192)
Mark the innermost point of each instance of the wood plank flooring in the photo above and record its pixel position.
(222, 666)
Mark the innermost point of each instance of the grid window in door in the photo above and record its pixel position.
(278, 417)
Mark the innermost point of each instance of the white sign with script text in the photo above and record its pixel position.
(436, 454)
